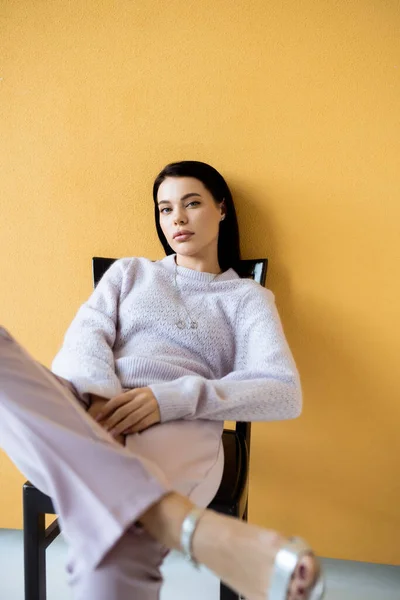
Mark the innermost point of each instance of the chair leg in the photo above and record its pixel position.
(34, 554)
(225, 593)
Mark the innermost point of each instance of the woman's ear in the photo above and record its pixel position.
(223, 209)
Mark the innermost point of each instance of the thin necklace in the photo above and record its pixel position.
(193, 324)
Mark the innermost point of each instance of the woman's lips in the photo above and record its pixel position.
(183, 237)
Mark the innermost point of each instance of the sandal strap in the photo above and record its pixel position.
(187, 532)
(285, 563)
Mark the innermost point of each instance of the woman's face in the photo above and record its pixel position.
(185, 204)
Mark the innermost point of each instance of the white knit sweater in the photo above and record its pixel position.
(236, 366)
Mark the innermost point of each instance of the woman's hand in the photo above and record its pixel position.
(96, 406)
(130, 412)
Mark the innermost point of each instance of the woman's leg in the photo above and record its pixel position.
(241, 554)
(224, 544)
(98, 487)
(132, 568)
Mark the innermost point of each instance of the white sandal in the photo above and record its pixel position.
(285, 563)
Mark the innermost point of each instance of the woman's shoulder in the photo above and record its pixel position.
(252, 291)
(122, 272)
(129, 264)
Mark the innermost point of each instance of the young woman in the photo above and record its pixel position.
(125, 432)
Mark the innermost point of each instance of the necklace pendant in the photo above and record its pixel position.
(194, 325)
(180, 324)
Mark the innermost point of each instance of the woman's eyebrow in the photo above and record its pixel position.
(185, 197)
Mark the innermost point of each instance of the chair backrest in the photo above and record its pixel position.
(255, 268)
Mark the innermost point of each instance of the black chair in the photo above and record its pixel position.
(231, 498)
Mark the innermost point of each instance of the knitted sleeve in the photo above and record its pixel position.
(86, 357)
(264, 384)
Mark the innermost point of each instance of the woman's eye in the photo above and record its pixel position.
(167, 208)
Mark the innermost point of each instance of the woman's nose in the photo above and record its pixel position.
(179, 218)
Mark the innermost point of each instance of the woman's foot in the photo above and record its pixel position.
(242, 555)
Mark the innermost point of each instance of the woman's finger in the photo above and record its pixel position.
(110, 406)
(117, 416)
(130, 420)
(115, 403)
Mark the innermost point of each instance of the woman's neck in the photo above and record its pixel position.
(198, 264)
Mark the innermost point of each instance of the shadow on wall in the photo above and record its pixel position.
(345, 415)
(317, 476)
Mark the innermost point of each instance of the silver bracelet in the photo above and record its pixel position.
(188, 528)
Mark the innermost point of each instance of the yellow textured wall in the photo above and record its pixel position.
(297, 103)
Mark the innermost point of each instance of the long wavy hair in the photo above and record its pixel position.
(228, 240)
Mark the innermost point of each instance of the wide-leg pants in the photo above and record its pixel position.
(99, 488)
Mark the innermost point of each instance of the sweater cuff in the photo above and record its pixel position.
(172, 402)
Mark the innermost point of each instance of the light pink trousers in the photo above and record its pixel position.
(99, 488)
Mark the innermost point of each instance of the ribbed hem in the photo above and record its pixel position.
(142, 369)
(173, 405)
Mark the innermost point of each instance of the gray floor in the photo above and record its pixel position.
(346, 580)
